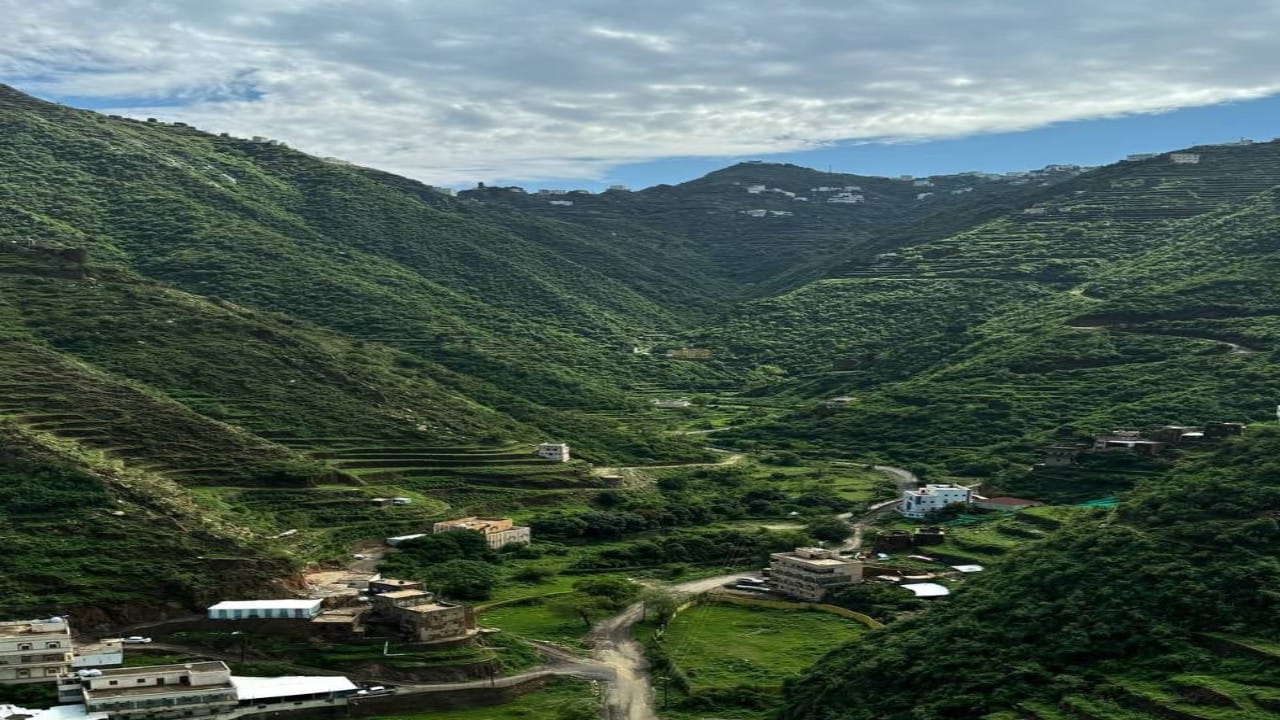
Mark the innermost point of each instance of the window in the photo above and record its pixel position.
(141, 680)
(24, 672)
(24, 646)
(113, 682)
(55, 658)
(53, 645)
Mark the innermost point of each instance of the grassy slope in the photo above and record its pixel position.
(1112, 600)
(1128, 281)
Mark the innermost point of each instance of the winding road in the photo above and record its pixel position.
(630, 695)
(1236, 348)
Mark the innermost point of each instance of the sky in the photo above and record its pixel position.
(587, 93)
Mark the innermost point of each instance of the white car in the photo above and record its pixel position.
(136, 640)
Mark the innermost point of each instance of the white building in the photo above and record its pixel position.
(199, 689)
(755, 213)
(103, 653)
(918, 503)
(846, 198)
(159, 691)
(755, 189)
(809, 573)
(922, 183)
(924, 196)
(559, 452)
(265, 609)
(1185, 158)
(561, 203)
(672, 404)
(34, 650)
(1135, 157)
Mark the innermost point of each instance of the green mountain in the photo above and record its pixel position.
(1164, 607)
(216, 353)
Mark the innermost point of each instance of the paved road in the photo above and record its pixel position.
(906, 480)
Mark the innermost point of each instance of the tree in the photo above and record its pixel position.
(660, 603)
(587, 608)
(616, 592)
(828, 529)
(462, 579)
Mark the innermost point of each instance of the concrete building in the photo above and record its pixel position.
(918, 503)
(1061, 455)
(419, 617)
(498, 532)
(104, 653)
(200, 689)
(558, 452)
(1128, 440)
(672, 404)
(809, 573)
(265, 609)
(1185, 158)
(159, 691)
(34, 650)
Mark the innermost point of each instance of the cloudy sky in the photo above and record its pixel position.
(452, 92)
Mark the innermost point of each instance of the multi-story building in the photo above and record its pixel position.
(918, 503)
(498, 532)
(809, 573)
(159, 691)
(34, 650)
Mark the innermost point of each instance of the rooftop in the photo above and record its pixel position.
(254, 688)
(13, 628)
(927, 590)
(205, 666)
(397, 594)
(267, 604)
(57, 712)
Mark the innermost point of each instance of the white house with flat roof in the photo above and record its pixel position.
(265, 609)
(918, 503)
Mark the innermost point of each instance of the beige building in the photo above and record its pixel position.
(497, 531)
(420, 617)
(159, 691)
(34, 650)
(809, 573)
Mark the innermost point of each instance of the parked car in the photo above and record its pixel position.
(136, 640)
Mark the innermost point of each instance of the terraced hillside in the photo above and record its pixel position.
(1162, 607)
(1152, 317)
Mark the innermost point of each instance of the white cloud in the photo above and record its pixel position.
(452, 92)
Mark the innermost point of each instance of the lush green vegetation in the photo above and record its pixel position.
(1111, 605)
(559, 700)
(730, 659)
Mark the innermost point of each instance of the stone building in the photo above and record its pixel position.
(809, 573)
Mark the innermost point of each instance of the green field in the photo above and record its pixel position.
(559, 700)
(724, 646)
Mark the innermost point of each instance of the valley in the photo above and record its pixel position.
(229, 368)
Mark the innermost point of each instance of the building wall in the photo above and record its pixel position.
(39, 652)
(439, 624)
